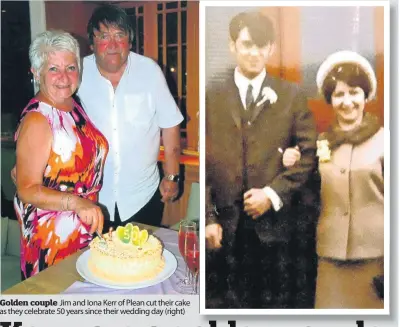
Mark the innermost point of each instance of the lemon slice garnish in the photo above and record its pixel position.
(143, 236)
(135, 236)
(122, 235)
(129, 226)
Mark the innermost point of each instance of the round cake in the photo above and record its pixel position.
(126, 262)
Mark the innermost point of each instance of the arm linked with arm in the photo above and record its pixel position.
(304, 133)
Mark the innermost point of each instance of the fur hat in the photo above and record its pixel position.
(342, 57)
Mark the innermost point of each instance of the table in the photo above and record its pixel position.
(63, 277)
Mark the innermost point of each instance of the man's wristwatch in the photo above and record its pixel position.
(172, 178)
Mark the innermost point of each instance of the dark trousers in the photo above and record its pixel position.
(263, 271)
(247, 273)
(150, 214)
(244, 274)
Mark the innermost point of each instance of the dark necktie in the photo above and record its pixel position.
(249, 97)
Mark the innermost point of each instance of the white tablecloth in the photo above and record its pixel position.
(172, 285)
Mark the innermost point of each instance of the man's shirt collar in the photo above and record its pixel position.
(243, 82)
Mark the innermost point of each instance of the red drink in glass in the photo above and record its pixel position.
(192, 260)
(189, 238)
(181, 242)
(186, 236)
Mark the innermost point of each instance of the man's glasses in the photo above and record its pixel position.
(106, 37)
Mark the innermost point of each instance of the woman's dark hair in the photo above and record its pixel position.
(260, 27)
(109, 15)
(349, 73)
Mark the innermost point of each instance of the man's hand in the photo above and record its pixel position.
(169, 190)
(14, 175)
(213, 236)
(256, 202)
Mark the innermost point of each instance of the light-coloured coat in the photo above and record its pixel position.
(351, 223)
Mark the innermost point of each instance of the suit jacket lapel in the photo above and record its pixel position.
(234, 104)
(268, 82)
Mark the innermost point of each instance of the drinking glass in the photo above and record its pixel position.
(192, 256)
(185, 227)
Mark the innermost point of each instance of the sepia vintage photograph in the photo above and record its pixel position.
(296, 132)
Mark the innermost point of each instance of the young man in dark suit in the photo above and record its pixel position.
(251, 118)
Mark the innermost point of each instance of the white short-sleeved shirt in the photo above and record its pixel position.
(130, 118)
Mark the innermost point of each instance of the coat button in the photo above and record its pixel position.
(342, 170)
(346, 213)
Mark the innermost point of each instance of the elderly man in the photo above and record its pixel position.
(127, 97)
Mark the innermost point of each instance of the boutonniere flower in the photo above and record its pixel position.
(267, 94)
(323, 151)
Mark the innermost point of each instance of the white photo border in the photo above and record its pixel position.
(202, 69)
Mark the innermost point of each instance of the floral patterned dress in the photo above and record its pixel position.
(75, 165)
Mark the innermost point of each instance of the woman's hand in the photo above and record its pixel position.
(88, 212)
(291, 156)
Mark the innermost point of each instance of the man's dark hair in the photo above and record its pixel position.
(260, 27)
(351, 74)
(109, 15)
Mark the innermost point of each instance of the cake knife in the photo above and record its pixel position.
(102, 240)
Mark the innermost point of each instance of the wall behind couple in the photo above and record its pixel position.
(72, 17)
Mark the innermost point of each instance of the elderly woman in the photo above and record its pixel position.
(60, 158)
(350, 228)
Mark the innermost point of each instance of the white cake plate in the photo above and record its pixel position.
(169, 268)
